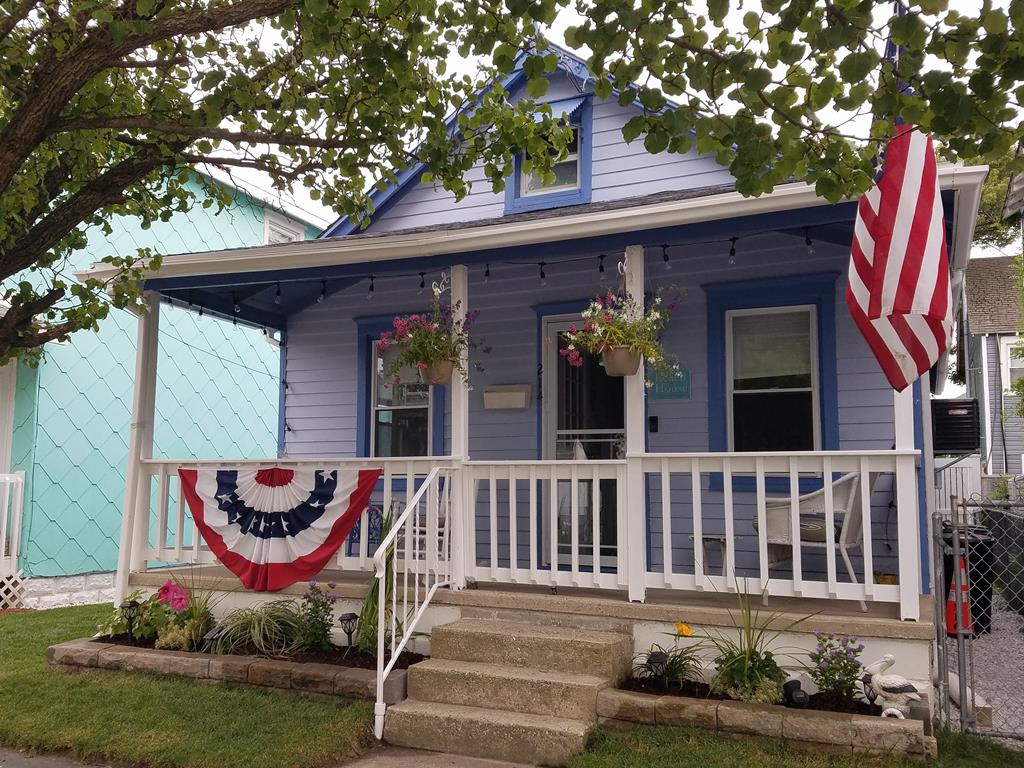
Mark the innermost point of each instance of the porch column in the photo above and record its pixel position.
(636, 510)
(462, 488)
(907, 512)
(135, 515)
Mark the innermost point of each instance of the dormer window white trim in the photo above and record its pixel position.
(280, 229)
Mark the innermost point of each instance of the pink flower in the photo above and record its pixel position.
(173, 595)
(421, 366)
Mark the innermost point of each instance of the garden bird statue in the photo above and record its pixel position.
(888, 691)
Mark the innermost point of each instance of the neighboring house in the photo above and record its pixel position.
(990, 334)
(65, 423)
(639, 506)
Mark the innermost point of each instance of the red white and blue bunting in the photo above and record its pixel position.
(275, 526)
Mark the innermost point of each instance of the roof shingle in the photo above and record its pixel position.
(993, 295)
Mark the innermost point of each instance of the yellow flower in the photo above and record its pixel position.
(684, 630)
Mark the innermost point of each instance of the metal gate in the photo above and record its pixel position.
(979, 580)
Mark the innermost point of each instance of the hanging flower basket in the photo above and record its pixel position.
(438, 373)
(623, 332)
(433, 342)
(620, 361)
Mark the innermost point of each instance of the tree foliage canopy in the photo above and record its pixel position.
(106, 105)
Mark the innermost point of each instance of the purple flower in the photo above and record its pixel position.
(312, 583)
(823, 665)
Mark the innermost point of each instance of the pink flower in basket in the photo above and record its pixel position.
(173, 595)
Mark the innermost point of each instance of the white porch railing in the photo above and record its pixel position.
(12, 494)
(411, 563)
(514, 538)
(756, 508)
(164, 531)
(694, 522)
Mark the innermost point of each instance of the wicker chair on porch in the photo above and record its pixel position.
(848, 522)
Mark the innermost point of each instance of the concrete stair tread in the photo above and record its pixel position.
(509, 672)
(519, 629)
(428, 709)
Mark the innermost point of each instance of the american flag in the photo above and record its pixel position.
(898, 289)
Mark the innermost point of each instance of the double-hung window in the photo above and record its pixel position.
(566, 169)
(773, 392)
(401, 418)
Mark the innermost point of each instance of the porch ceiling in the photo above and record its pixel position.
(262, 286)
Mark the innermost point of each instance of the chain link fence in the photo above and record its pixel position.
(979, 579)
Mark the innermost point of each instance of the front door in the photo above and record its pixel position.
(584, 419)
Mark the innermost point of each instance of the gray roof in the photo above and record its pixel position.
(993, 295)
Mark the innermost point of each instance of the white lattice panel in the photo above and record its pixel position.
(12, 590)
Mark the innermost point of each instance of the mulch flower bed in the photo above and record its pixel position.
(337, 655)
(824, 702)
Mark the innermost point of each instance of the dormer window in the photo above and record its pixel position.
(571, 185)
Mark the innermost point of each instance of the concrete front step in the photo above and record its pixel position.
(561, 649)
(488, 733)
(512, 689)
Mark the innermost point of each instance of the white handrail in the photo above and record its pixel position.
(420, 560)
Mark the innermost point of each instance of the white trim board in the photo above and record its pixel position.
(8, 382)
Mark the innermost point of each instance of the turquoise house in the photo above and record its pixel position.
(65, 423)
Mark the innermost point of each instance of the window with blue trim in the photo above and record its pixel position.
(572, 184)
(772, 382)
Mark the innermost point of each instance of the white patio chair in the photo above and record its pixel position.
(848, 521)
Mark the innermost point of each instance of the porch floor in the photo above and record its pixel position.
(663, 605)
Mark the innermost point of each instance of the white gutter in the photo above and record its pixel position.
(382, 248)
(986, 413)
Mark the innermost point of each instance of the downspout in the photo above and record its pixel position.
(986, 406)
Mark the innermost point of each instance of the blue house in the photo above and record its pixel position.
(65, 422)
(779, 463)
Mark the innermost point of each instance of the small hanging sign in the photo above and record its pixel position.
(670, 386)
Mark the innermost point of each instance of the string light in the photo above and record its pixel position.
(369, 291)
(543, 276)
(487, 273)
(277, 294)
(807, 241)
(423, 281)
(235, 302)
(732, 250)
(664, 257)
(600, 264)
(323, 292)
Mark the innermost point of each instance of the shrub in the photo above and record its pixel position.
(274, 630)
(317, 617)
(835, 666)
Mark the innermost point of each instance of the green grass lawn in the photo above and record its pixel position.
(663, 747)
(156, 721)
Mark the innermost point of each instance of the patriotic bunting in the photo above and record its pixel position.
(898, 290)
(275, 526)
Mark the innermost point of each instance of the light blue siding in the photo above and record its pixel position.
(322, 399)
(217, 396)
(620, 170)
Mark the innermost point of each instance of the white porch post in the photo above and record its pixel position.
(135, 515)
(462, 548)
(636, 511)
(907, 513)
